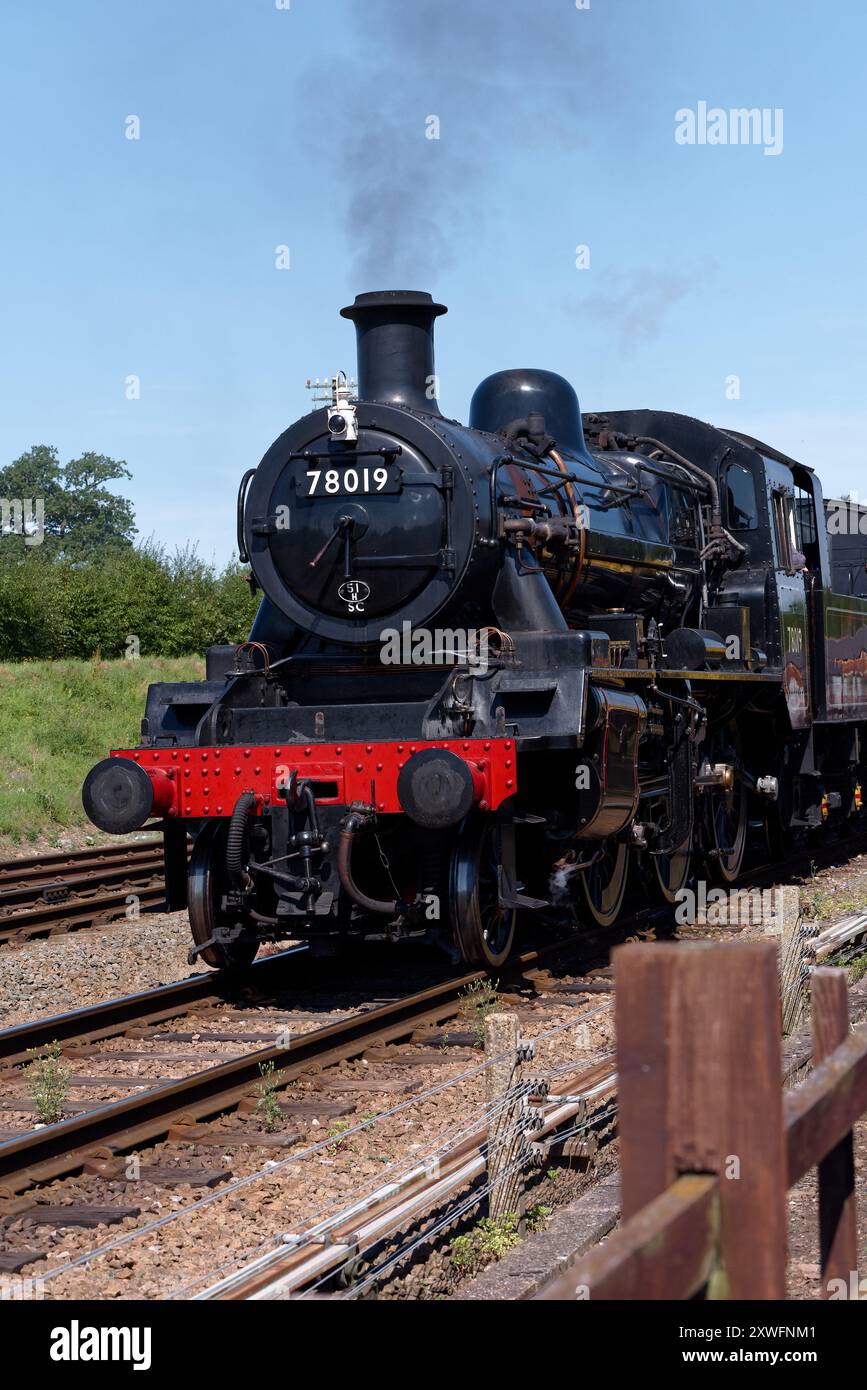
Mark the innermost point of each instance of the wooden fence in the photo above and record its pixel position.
(710, 1142)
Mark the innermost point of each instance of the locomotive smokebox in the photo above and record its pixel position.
(394, 329)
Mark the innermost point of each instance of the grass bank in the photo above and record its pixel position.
(57, 718)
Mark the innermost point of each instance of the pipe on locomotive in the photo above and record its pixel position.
(720, 540)
(360, 818)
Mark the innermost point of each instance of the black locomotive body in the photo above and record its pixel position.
(497, 665)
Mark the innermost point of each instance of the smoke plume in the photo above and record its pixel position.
(499, 77)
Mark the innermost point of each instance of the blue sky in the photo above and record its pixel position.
(306, 127)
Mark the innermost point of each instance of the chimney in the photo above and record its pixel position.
(394, 329)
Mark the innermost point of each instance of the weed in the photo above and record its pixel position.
(821, 903)
(488, 1242)
(478, 999)
(858, 968)
(337, 1132)
(852, 959)
(268, 1103)
(49, 1082)
(464, 1256)
(537, 1217)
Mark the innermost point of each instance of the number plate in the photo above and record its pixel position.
(357, 480)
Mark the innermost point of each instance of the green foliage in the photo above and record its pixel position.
(337, 1132)
(86, 593)
(537, 1217)
(60, 717)
(488, 1241)
(831, 902)
(858, 969)
(84, 589)
(463, 1254)
(82, 517)
(478, 1000)
(851, 957)
(49, 1082)
(268, 1102)
(53, 607)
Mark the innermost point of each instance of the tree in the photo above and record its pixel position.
(82, 518)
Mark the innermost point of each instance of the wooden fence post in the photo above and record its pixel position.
(794, 936)
(699, 1077)
(838, 1231)
(505, 1114)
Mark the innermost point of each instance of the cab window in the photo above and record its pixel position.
(741, 498)
(789, 558)
(805, 522)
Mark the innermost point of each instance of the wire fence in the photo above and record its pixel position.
(483, 1116)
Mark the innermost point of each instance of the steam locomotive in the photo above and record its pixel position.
(498, 666)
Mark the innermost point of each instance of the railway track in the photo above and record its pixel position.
(55, 893)
(42, 867)
(214, 1107)
(37, 1155)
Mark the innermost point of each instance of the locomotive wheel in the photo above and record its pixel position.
(727, 813)
(779, 838)
(484, 931)
(208, 881)
(604, 883)
(670, 871)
